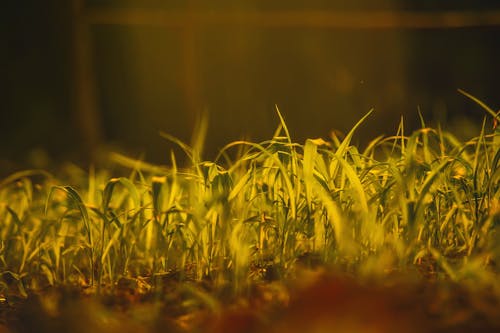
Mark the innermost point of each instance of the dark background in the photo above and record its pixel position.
(321, 79)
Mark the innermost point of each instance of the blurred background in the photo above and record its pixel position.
(81, 75)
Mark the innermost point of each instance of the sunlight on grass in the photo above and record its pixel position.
(423, 205)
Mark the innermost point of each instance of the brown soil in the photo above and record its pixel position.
(312, 302)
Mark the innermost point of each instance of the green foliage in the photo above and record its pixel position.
(400, 201)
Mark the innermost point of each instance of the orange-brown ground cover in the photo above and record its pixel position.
(313, 301)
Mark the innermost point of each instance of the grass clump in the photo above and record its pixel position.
(424, 202)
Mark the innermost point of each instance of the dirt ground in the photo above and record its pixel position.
(312, 302)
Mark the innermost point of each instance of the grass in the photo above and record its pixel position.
(425, 206)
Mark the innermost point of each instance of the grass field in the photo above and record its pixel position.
(277, 236)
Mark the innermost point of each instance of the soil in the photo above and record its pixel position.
(314, 301)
